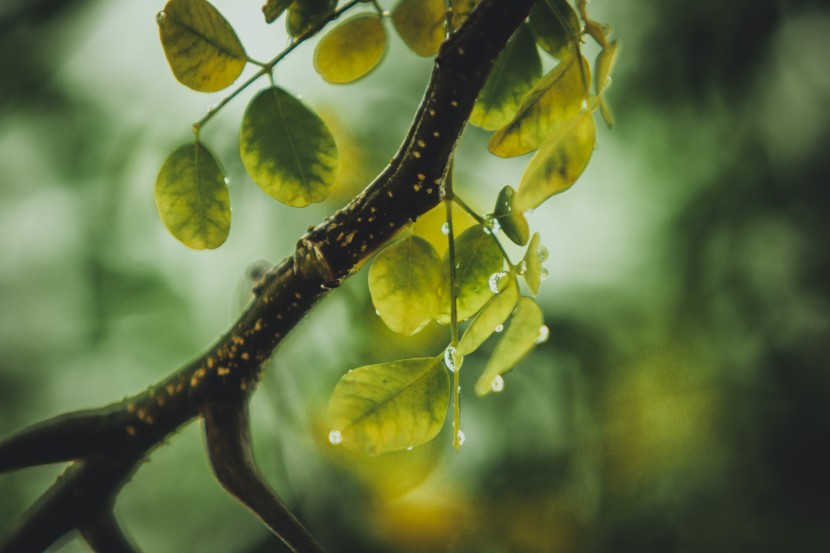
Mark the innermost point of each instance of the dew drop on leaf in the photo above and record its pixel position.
(445, 228)
(492, 224)
(335, 438)
(451, 359)
(461, 438)
(497, 281)
(542, 253)
(522, 268)
(161, 16)
(544, 334)
(499, 328)
(497, 384)
(543, 274)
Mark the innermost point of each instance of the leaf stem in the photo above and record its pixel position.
(449, 196)
(268, 67)
(482, 221)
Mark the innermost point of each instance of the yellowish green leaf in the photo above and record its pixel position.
(517, 68)
(477, 258)
(421, 25)
(559, 162)
(192, 198)
(557, 98)
(511, 220)
(555, 26)
(272, 9)
(490, 319)
(351, 50)
(405, 282)
(390, 406)
(287, 149)
(604, 66)
(534, 256)
(526, 329)
(304, 15)
(431, 225)
(200, 45)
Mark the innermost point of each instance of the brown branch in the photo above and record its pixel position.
(229, 371)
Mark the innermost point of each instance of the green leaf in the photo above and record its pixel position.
(511, 220)
(517, 68)
(405, 282)
(491, 316)
(525, 331)
(558, 97)
(477, 257)
(304, 15)
(351, 50)
(555, 26)
(421, 25)
(390, 406)
(533, 271)
(192, 198)
(200, 45)
(287, 149)
(559, 162)
(272, 9)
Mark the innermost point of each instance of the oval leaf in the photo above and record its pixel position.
(477, 257)
(305, 15)
(287, 149)
(512, 221)
(533, 264)
(555, 26)
(200, 45)
(192, 198)
(559, 162)
(558, 97)
(421, 25)
(430, 225)
(405, 283)
(351, 50)
(492, 315)
(517, 68)
(390, 406)
(518, 339)
(272, 9)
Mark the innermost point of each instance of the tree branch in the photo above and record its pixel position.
(107, 444)
(104, 535)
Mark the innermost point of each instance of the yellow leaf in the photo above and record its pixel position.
(490, 318)
(430, 225)
(421, 25)
(200, 45)
(533, 271)
(559, 162)
(390, 406)
(405, 283)
(351, 50)
(558, 97)
(525, 331)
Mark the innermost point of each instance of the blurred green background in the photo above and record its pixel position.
(681, 403)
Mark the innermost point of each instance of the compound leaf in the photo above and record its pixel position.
(200, 45)
(559, 162)
(517, 68)
(405, 282)
(287, 149)
(512, 220)
(192, 198)
(351, 50)
(491, 316)
(390, 406)
(421, 25)
(555, 26)
(526, 329)
(558, 97)
(477, 257)
(304, 15)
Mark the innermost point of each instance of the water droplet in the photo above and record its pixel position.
(377, 312)
(497, 384)
(161, 16)
(499, 328)
(410, 448)
(543, 274)
(451, 359)
(522, 268)
(607, 82)
(584, 107)
(487, 230)
(445, 228)
(335, 438)
(386, 13)
(227, 181)
(461, 438)
(542, 253)
(544, 334)
(497, 281)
